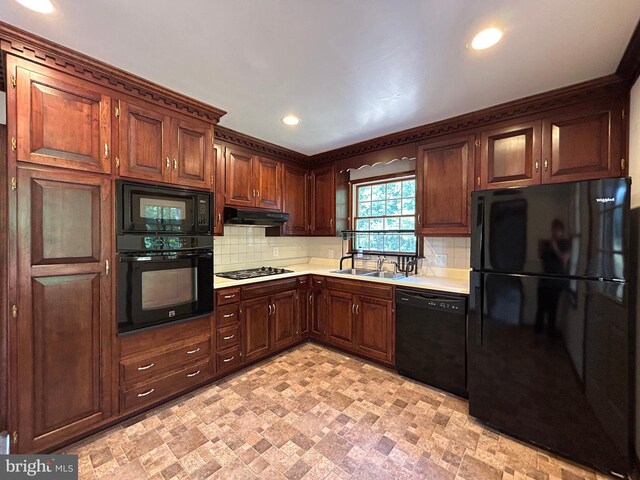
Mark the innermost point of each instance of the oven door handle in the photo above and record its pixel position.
(162, 258)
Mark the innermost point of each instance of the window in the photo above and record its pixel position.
(385, 206)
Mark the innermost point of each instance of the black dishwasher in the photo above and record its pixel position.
(431, 339)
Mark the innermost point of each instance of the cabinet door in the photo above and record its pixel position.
(374, 328)
(340, 319)
(255, 318)
(267, 174)
(443, 186)
(323, 201)
(193, 154)
(283, 318)
(145, 143)
(305, 313)
(239, 190)
(510, 156)
(318, 313)
(64, 331)
(218, 204)
(295, 200)
(62, 122)
(583, 144)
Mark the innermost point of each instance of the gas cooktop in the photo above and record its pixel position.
(252, 273)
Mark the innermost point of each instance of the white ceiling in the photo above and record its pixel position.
(352, 70)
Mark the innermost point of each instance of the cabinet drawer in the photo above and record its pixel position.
(162, 387)
(137, 369)
(227, 296)
(228, 359)
(268, 288)
(318, 282)
(227, 315)
(228, 337)
(303, 282)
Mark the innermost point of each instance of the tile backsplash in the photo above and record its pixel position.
(243, 247)
(456, 251)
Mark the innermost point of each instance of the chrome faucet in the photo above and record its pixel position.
(379, 263)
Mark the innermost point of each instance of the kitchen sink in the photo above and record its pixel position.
(354, 271)
(383, 274)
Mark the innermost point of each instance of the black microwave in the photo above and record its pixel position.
(152, 209)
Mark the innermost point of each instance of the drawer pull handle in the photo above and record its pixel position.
(146, 367)
(227, 360)
(228, 315)
(230, 296)
(229, 337)
(147, 392)
(193, 374)
(189, 352)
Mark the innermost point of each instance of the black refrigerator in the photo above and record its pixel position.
(550, 352)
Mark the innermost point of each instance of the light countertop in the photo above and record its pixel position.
(451, 280)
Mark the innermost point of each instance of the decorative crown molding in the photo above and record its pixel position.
(580, 92)
(227, 135)
(37, 49)
(629, 66)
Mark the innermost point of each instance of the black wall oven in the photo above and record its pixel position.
(164, 255)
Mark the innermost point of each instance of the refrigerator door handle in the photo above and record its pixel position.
(477, 293)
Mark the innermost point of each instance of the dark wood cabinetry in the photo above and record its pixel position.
(155, 146)
(443, 186)
(583, 143)
(284, 320)
(218, 203)
(61, 121)
(256, 314)
(323, 201)
(252, 181)
(304, 303)
(295, 200)
(356, 316)
(318, 307)
(64, 332)
(510, 156)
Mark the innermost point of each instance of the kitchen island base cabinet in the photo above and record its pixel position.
(63, 330)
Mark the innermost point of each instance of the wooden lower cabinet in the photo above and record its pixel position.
(255, 321)
(375, 328)
(304, 306)
(318, 308)
(284, 319)
(358, 317)
(340, 319)
(63, 328)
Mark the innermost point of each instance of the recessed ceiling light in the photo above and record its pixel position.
(486, 38)
(40, 6)
(290, 120)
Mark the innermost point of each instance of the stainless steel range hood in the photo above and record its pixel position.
(256, 218)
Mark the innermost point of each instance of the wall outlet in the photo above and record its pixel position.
(330, 253)
(276, 252)
(440, 261)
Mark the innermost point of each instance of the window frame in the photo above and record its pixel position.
(353, 206)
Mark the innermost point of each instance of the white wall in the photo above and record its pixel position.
(3, 108)
(634, 172)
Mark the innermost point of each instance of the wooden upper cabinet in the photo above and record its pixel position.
(219, 176)
(443, 186)
(323, 201)
(510, 156)
(62, 121)
(63, 343)
(295, 200)
(583, 143)
(267, 175)
(239, 190)
(157, 147)
(193, 160)
(145, 143)
(252, 181)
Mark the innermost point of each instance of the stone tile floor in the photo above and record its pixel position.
(314, 413)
